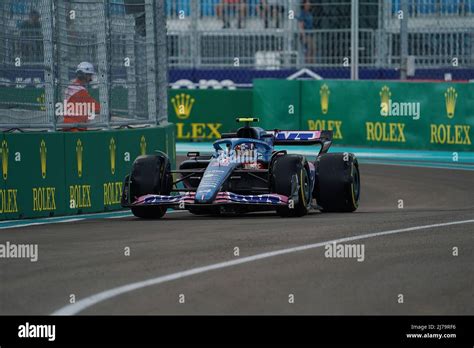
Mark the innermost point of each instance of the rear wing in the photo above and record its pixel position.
(295, 137)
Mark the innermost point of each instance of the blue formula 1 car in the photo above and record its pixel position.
(244, 174)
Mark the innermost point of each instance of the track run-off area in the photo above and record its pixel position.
(414, 226)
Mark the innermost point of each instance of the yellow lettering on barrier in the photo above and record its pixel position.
(213, 128)
(334, 125)
(434, 137)
(80, 195)
(35, 199)
(385, 132)
(369, 129)
(8, 201)
(112, 193)
(449, 134)
(198, 130)
(179, 132)
(458, 133)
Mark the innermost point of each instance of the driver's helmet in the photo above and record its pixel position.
(246, 154)
(244, 149)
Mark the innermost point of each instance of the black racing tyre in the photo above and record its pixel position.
(289, 173)
(204, 210)
(150, 175)
(337, 186)
(151, 212)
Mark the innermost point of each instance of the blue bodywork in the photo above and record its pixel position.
(225, 160)
(249, 151)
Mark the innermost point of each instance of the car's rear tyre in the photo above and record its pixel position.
(288, 174)
(337, 186)
(150, 175)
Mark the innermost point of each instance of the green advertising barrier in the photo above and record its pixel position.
(24, 98)
(96, 164)
(203, 115)
(407, 115)
(87, 165)
(50, 174)
(277, 103)
(33, 174)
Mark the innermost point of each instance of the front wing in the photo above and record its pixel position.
(222, 198)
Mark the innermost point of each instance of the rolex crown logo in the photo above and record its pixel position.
(43, 152)
(112, 148)
(324, 93)
(42, 102)
(143, 145)
(4, 151)
(450, 97)
(182, 104)
(385, 95)
(79, 152)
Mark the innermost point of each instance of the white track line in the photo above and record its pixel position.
(64, 219)
(108, 294)
(54, 218)
(130, 215)
(41, 223)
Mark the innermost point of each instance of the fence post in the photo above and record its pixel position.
(161, 61)
(292, 30)
(355, 40)
(60, 29)
(381, 39)
(131, 70)
(103, 41)
(49, 84)
(404, 39)
(195, 37)
(150, 60)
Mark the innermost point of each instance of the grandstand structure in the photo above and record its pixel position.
(438, 31)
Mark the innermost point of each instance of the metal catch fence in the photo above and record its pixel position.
(43, 42)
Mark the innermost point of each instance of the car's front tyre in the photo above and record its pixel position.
(150, 175)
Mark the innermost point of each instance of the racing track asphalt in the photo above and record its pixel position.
(87, 257)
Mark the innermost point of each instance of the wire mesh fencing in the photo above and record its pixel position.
(82, 63)
(295, 34)
(24, 64)
(440, 32)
